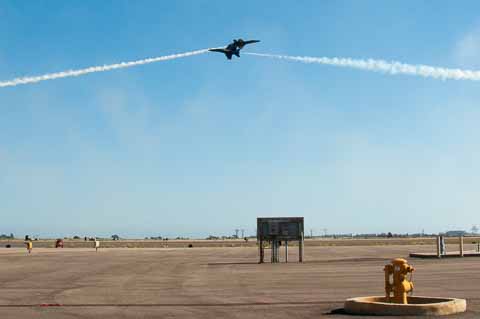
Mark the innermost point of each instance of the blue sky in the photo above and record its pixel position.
(203, 145)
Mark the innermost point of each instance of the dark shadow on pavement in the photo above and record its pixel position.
(231, 304)
(232, 263)
(338, 311)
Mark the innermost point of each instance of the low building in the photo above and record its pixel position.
(455, 233)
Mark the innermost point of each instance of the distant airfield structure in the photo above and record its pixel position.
(441, 251)
(274, 231)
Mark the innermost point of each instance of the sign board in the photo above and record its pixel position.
(279, 228)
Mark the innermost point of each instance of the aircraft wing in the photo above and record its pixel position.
(247, 42)
(221, 50)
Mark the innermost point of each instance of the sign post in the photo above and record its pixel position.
(278, 230)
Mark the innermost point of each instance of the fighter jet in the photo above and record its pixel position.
(233, 48)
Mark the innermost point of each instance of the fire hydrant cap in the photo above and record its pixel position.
(398, 261)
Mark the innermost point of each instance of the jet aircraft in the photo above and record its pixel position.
(233, 48)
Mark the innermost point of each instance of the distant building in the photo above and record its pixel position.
(455, 233)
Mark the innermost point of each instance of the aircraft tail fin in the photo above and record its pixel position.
(237, 53)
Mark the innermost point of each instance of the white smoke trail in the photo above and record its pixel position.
(383, 66)
(69, 73)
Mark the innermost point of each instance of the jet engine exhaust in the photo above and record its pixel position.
(382, 66)
(93, 69)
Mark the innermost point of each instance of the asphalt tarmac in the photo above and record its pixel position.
(215, 282)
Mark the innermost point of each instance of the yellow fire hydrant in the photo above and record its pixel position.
(398, 269)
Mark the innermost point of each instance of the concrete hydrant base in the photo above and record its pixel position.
(417, 306)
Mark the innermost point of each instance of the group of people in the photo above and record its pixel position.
(58, 243)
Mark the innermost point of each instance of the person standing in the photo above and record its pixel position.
(29, 245)
(97, 245)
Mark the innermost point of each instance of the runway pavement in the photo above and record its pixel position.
(214, 282)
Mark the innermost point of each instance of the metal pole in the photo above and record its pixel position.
(276, 251)
(443, 249)
(272, 257)
(300, 248)
(277, 246)
(261, 252)
(438, 247)
(461, 246)
(277, 254)
(286, 251)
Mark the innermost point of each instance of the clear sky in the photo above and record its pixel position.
(203, 145)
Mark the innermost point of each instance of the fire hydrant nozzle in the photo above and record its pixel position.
(400, 286)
